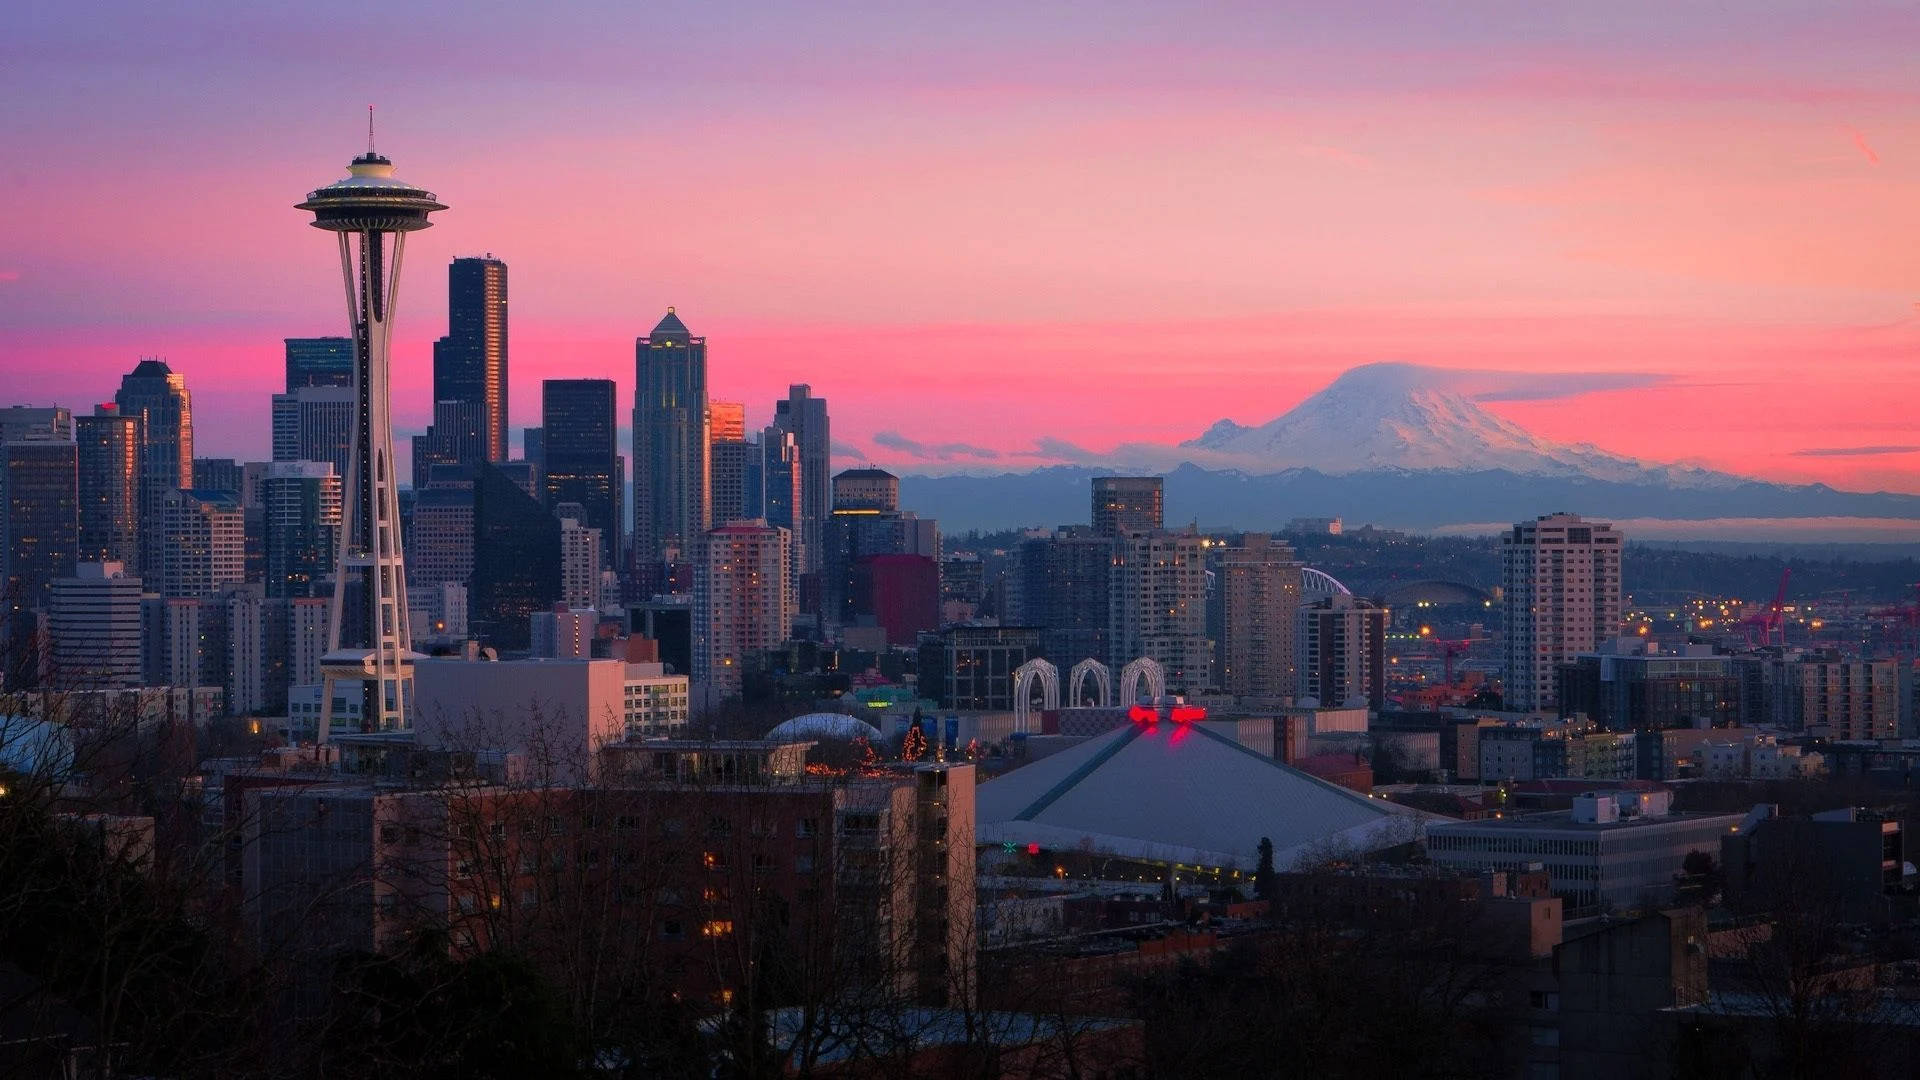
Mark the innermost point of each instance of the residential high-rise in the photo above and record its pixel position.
(204, 534)
(1340, 651)
(805, 418)
(742, 604)
(156, 396)
(669, 441)
(319, 361)
(1257, 586)
(368, 632)
(1158, 605)
(315, 423)
(28, 422)
(470, 363)
(94, 619)
(1128, 504)
(109, 459)
(39, 518)
(581, 454)
(730, 470)
(302, 526)
(1562, 579)
(580, 554)
(516, 559)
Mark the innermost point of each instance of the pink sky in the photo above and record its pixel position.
(1094, 224)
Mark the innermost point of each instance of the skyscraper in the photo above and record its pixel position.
(1562, 579)
(319, 361)
(1158, 605)
(470, 363)
(454, 438)
(726, 421)
(302, 526)
(95, 623)
(1060, 584)
(805, 417)
(581, 450)
(39, 532)
(109, 447)
(730, 467)
(315, 423)
(742, 604)
(516, 559)
(1257, 586)
(368, 632)
(669, 440)
(157, 397)
(1127, 504)
(580, 554)
(28, 422)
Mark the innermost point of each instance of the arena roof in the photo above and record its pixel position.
(1184, 793)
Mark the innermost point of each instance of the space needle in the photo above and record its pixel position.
(368, 642)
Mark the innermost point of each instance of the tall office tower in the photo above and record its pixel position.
(454, 438)
(866, 489)
(204, 534)
(582, 454)
(729, 470)
(109, 456)
(1257, 585)
(516, 559)
(1060, 585)
(221, 474)
(368, 634)
(319, 361)
(95, 622)
(742, 604)
(669, 440)
(580, 553)
(27, 422)
(157, 397)
(1340, 651)
(781, 489)
(1158, 605)
(315, 423)
(726, 421)
(805, 417)
(1562, 579)
(302, 526)
(440, 543)
(470, 363)
(533, 446)
(39, 518)
(1128, 504)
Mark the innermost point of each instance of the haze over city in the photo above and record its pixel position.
(999, 236)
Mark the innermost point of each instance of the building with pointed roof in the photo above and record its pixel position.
(670, 495)
(1185, 793)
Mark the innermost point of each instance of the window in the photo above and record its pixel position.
(763, 864)
(389, 834)
(723, 927)
(803, 864)
(673, 930)
(806, 828)
(714, 860)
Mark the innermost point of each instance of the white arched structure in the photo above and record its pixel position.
(1102, 681)
(1023, 677)
(1318, 584)
(1142, 668)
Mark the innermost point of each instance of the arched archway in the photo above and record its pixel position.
(1023, 677)
(1102, 680)
(1136, 670)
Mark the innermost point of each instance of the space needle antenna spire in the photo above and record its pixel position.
(369, 129)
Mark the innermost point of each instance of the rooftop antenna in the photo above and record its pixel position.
(369, 129)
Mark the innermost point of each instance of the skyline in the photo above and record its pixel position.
(1090, 231)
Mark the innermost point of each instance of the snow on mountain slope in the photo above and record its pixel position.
(1405, 416)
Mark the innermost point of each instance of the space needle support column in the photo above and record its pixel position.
(368, 639)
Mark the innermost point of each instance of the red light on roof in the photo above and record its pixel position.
(1187, 714)
(1143, 714)
(1033, 849)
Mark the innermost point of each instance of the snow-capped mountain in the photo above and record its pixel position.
(1405, 416)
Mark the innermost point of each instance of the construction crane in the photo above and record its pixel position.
(1773, 620)
(1907, 618)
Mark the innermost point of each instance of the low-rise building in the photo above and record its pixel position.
(1610, 852)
